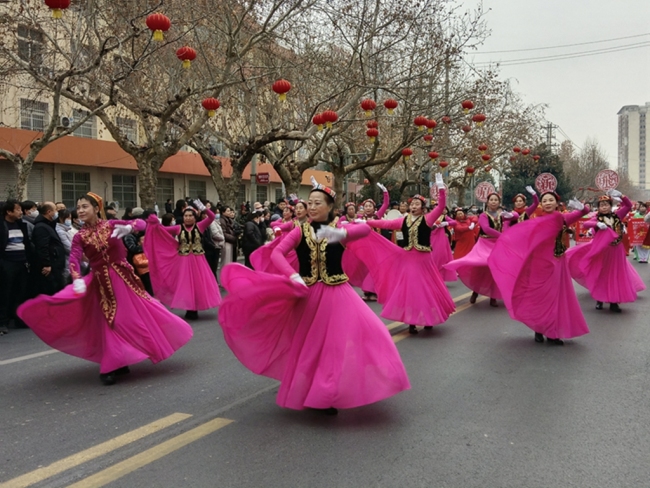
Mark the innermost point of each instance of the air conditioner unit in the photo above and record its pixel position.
(67, 122)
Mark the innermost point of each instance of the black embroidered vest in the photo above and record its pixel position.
(495, 223)
(190, 241)
(319, 261)
(416, 234)
(612, 221)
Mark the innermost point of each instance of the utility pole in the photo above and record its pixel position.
(550, 135)
(253, 124)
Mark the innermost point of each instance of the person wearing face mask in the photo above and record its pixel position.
(63, 226)
(601, 265)
(309, 329)
(30, 212)
(530, 267)
(50, 252)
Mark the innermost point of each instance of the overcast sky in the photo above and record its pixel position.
(585, 93)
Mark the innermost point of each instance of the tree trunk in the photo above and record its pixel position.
(290, 176)
(148, 167)
(339, 178)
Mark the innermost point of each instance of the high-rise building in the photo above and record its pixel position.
(632, 139)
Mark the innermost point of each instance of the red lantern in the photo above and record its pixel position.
(486, 157)
(365, 181)
(516, 149)
(407, 152)
(525, 152)
(433, 155)
(536, 157)
(372, 133)
(483, 148)
(420, 121)
(281, 87)
(318, 121)
(443, 164)
(390, 104)
(488, 169)
(466, 128)
(187, 55)
(479, 119)
(329, 117)
(57, 7)
(469, 170)
(446, 119)
(372, 124)
(467, 105)
(211, 105)
(368, 105)
(427, 137)
(431, 124)
(158, 23)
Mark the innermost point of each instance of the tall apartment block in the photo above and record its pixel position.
(632, 143)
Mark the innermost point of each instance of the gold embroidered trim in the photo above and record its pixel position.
(190, 242)
(318, 257)
(413, 226)
(560, 248)
(107, 299)
(613, 222)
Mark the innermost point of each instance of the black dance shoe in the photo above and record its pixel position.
(191, 315)
(121, 371)
(428, 327)
(599, 305)
(493, 302)
(539, 337)
(107, 379)
(615, 308)
(412, 330)
(473, 298)
(556, 342)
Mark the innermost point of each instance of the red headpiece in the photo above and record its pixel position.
(317, 186)
(519, 195)
(369, 200)
(418, 197)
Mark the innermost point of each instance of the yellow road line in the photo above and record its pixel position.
(404, 334)
(127, 466)
(93, 452)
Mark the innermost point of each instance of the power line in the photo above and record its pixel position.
(563, 45)
(560, 57)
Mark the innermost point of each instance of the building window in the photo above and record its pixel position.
(73, 185)
(30, 45)
(165, 191)
(33, 115)
(197, 189)
(278, 194)
(125, 190)
(262, 193)
(128, 128)
(241, 196)
(89, 128)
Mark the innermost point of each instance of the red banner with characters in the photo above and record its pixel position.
(583, 234)
(636, 231)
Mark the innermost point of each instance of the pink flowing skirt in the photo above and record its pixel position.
(441, 254)
(355, 269)
(261, 257)
(408, 283)
(604, 269)
(536, 286)
(322, 342)
(74, 324)
(473, 269)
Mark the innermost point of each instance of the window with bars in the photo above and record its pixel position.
(262, 194)
(125, 190)
(128, 128)
(278, 194)
(73, 185)
(241, 196)
(30, 45)
(33, 115)
(197, 189)
(89, 128)
(165, 191)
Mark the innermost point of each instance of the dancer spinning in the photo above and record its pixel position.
(105, 317)
(180, 275)
(473, 269)
(463, 234)
(408, 283)
(601, 265)
(520, 210)
(441, 245)
(309, 329)
(529, 265)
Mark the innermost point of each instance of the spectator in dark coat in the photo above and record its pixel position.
(253, 237)
(49, 259)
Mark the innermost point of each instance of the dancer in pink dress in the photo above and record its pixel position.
(350, 213)
(180, 274)
(355, 269)
(106, 317)
(520, 210)
(408, 283)
(441, 246)
(529, 264)
(473, 269)
(601, 265)
(309, 329)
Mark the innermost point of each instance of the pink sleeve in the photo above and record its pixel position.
(625, 207)
(452, 222)
(435, 214)
(139, 225)
(485, 226)
(289, 242)
(590, 224)
(384, 206)
(355, 232)
(530, 210)
(283, 226)
(386, 224)
(76, 254)
(205, 223)
(573, 217)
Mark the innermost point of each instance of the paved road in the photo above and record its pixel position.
(488, 408)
